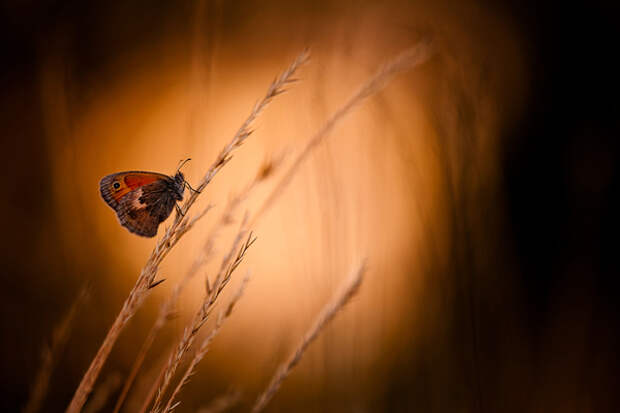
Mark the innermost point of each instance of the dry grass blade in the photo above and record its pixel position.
(51, 354)
(181, 224)
(204, 346)
(407, 60)
(325, 316)
(166, 310)
(146, 345)
(102, 393)
(276, 88)
(229, 265)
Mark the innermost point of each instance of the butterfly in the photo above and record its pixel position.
(143, 200)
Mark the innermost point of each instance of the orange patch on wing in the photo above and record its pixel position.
(134, 181)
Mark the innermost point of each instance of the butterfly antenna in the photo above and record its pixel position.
(183, 162)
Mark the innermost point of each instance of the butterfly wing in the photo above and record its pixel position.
(141, 200)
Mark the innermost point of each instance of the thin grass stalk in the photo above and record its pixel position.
(102, 393)
(52, 353)
(166, 310)
(146, 345)
(229, 265)
(164, 314)
(180, 349)
(350, 288)
(405, 61)
(204, 346)
(181, 224)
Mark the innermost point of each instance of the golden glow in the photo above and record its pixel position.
(373, 189)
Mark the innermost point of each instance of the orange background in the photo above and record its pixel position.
(411, 179)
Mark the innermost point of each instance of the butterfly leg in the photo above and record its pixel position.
(190, 187)
(179, 211)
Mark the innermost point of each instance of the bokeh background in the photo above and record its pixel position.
(479, 186)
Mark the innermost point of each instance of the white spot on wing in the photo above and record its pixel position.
(136, 199)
